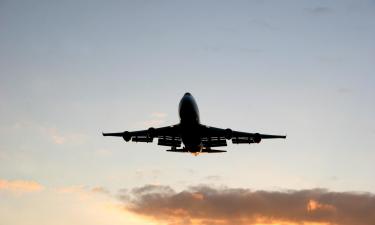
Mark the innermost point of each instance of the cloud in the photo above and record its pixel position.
(213, 178)
(262, 24)
(204, 205)
(51, 133)
(158, 115)
(20, 186)
(157, 119)
(76, 205)
(320, 10)
(100, 190)
(81, 190)
(56, 137)
(59, 138)
(153, 123)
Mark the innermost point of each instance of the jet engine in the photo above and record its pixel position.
(257, 138)
(126, 136)
(228, 134)
(151, 132)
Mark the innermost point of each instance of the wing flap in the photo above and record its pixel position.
(243, 140)
(169, 141)
(142, 139)
(214, 142)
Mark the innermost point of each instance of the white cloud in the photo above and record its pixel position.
(153, 123)
(157, 119)
(158, 115)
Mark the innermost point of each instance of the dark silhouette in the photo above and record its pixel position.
(196, 137)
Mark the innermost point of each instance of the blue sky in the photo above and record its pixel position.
(70, 70)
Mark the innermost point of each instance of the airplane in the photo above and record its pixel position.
(196, 137)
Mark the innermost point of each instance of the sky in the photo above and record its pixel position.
(70, 70)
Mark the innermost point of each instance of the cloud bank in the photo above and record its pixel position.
(20, 186)
(204, 205)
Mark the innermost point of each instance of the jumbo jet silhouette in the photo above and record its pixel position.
(196, 137)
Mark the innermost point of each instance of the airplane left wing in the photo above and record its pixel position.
(213, 136)
(167, 136)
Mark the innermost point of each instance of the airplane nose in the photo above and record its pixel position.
(187, 94)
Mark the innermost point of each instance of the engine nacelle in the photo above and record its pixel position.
(151, 132)
(127, 136)
(257, 138)
(228, 134)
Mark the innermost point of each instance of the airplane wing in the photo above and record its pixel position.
(167, 136)
(214, 137)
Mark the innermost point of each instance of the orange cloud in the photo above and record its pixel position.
(313, 205)
(204, 205)
(197, 196)
(20, 186)
(83, 192)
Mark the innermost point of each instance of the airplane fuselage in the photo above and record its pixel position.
(190, 123)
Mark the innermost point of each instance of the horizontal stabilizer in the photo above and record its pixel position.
(177, 150)
(203, 151)
(213, 151)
